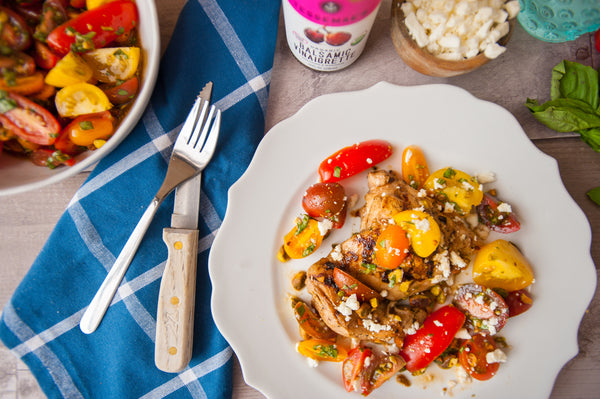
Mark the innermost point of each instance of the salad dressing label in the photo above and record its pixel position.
(328, 35)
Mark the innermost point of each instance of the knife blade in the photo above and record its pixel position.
(177, 295)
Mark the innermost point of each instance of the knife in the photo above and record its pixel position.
(177, 295)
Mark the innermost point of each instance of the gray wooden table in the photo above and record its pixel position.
(26, 220)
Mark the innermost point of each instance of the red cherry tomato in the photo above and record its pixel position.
(27, 119)
(354, 159)
(432, 339)
(472, 357)
(44, 57)
(494, 218)
(326, 200)
(122, 93)
(95, 28)
(391, 247)
(351, 285)
(14, 32)
(518, 302)
(353, 368)
(486, 310)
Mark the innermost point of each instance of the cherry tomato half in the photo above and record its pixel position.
(391, 247)
(14, 32)
(414, 167)
(518, 302)
(486, 310)
(303, 239)
(432, 339)
(354, 159)
(122, 93)
(353, 368)
(325, 200)
(472, 357)
(311, 323)
(351, 285)
(84, 129)
(496, 217)
(95, 28)
(27, 119)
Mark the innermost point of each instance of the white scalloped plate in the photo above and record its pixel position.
(251, 288)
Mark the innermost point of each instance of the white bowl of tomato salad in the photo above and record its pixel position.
(76, 76)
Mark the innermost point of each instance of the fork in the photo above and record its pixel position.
(192, 151)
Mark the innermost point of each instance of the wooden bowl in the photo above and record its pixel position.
(426, 63)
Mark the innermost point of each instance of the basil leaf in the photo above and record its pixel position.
(594, 195)
(575, 81)
(565, 114)
(591, 137)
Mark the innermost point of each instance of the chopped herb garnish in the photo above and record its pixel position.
(309, 250)
(122, 92)
(449, 173)
(302, 224)
(369, 267)
(6, 103)
(326, 350)
(86, 125)
(337, 172)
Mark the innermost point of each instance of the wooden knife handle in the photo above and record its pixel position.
(176, 300)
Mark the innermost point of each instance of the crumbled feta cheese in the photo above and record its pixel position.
(496, 356)
(422, 224)
(346, 307)
(463, 334)
(457, 261)
(457, 30)
(442, 263)
(324, 226)
(438, 323)
(412, 329)
(504, 207)
(312, 362)
(375, 327)
(336, 254)
(486, 177)
(422, 193)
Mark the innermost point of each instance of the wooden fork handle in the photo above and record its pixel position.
(176, 300)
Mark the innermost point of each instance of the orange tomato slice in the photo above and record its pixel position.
(414, 167)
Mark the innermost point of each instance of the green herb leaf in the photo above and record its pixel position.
(575, 81)
(565, 114)
(594, 195)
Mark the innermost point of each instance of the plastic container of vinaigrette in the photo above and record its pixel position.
(328, 35)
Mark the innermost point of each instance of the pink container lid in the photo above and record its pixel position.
(334, 12)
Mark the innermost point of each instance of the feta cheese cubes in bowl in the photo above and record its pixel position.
(451, 37)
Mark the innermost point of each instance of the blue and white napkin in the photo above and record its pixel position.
(228, 42)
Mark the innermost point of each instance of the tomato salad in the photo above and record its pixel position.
(360, 302)
(69, 72)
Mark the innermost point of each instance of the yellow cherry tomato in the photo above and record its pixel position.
(112, 64)
(79, 99)
(500, 264)
(320, 349)
(423, 231)
(414, 167)
(69, 70)
(456, 187)
(303, 239)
